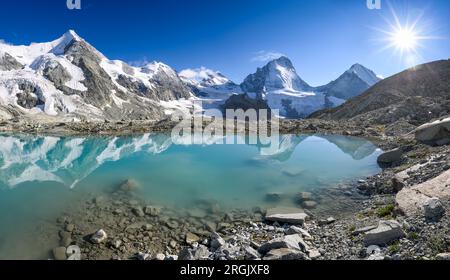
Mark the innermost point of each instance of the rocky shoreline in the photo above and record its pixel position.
(119, 226)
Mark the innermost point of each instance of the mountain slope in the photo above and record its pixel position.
(69, 77)
(209, 83)
(416, 95)
(279, 84)
(352, 83)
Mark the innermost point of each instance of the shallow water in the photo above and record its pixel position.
(41, 176)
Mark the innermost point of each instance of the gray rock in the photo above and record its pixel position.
(186, 254)
(377, 257)
(160, 257)
(296, 230)
(390, 157)
(286, 215)
(309, 204)
(142, 256)
(398, 183)
(304, 196)
(138, 211)
(443, 257)
(171, 258)
(433, 209)
(314, 254)
(173, 244)
(216, 241)
(191, 238)
(386, 232)
(363, 230)
(288, 242)
(435, 133)
(8, 63)
(59, 253)
(152, 211)
(116, 244)
(284, 254)
(201, 253)
(411, 201)
(99, 237)
(328, 221)
(70, 227)
(251, 254)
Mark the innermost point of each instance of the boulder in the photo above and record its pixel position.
(309, 204)
(304, 196)
(293, 216)
(390, 157)
(433, 209)
(385, 233)
(251, 254)
(99, 237)
(284, 254)
(411, 201)
(152, 211)
(294, 241)
(443, 257)
(296, 230)
(191, 238)
(216, 241)
(435, 133)
(138, 211)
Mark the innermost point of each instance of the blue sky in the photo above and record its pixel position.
(322, 37)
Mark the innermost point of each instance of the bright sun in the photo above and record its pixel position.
(404, 39)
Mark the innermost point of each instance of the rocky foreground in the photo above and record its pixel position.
(399, 214)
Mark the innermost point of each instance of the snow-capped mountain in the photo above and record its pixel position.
(69, 77)
(211, 87)
(279, 84)
(352, 83)
(278, 74)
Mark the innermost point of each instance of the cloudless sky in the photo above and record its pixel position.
(323, 38)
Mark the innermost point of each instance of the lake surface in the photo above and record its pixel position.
(41, 176)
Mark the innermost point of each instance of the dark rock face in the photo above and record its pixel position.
(8, 63)
(245, 103)
(169, 87)
(29, 97)
(96, 80)
(416, 96)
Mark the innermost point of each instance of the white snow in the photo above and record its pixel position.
(51, 60)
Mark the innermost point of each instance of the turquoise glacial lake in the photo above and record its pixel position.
(41, 176)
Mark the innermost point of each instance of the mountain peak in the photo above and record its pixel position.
(204, 76)
(67, 38)
(283, 61)
(364, 73)
(71, 35)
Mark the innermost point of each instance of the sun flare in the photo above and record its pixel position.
(404, 39)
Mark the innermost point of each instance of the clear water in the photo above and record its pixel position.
(41, 176)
